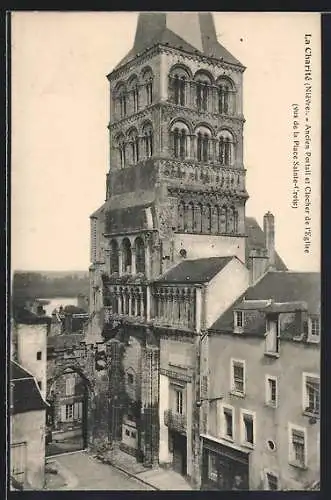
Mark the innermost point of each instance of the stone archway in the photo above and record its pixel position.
(71, 395)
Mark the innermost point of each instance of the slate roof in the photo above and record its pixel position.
(195, 271)
(290, 290)
(26, 395)
(289, 286)
(256, 239)
(153, 28)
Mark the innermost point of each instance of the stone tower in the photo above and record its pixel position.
(176, 179)
(175, 190)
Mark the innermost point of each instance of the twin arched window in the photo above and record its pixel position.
(132, 147)
(225, 148)
(179, 132)
(134, 144)
(148, 140)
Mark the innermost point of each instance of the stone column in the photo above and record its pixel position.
(133, 260)
(120, 261)
(150, 405)
(148, 303)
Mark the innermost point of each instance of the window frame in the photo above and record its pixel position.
(39, 355)
(268, 401)
(275, 353)
(223, 422)
(70, 381)
(266, 473)
(233, 389)
(291, 449)
(179, 401)
(305, 397)
(252, 414)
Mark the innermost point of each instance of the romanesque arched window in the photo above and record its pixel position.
(126, 256)
(140, 255)
(203, 82)
(133, 87)
(122, 98)
(203, 143)
(179, 133)
(148, 140)
(114, 264)
(178, 77)
(134, 145)
(225, 148)
(147, 77)
(121, 146)
(225, 95)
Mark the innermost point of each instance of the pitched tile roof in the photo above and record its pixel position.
(256, 239)
(195, 271)
(192, 32)
(26, 395)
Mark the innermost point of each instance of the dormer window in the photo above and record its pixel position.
(272, 336)
(239, 319)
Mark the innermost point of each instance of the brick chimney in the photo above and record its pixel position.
(269, 233)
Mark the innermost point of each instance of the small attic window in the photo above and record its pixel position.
(239, 319)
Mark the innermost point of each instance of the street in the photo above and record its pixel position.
(83, 472)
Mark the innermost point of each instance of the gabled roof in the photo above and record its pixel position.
(26, 395)
(190, 31)
(195, 271)
(256, 240)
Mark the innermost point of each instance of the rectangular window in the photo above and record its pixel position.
(315, 326)
(311, 394)
(271, 391)
(238, 376)
(227, 421)
(271, 481)
(239, 319)
(179, 402)
(130, 378)
(69, 412)
(272, 336)
(247, 428)
(78, 410)
(70, 386)
(39, 356)
(297, 453)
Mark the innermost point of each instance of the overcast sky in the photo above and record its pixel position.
(60, 106)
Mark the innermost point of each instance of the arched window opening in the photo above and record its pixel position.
(182, 146)
(176, 142)
(225, 148)
(205, 146)
(140, 255)
(182, 91)
(202, 95)
(223, 99)
(135, 95)
(122, 151)
(199, 146)
(123, 105)
(126, 256)
(149, 92)
(134, 144)
(148, 140)
(114, 265)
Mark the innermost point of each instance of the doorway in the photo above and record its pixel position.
(179, 453)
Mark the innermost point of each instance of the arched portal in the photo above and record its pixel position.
(70, 396)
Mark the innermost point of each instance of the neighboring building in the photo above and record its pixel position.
(29, 341)
(264, 359)
(27, 430)
(175, 206)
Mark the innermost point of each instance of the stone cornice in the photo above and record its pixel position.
(147, 54)
(131, 119)
(199, 114)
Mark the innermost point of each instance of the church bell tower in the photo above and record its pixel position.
(176, 181)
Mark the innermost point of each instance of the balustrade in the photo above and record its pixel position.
(174, 307)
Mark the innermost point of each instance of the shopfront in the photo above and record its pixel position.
(224, 467)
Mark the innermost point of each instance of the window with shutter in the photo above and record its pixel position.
(297, 447)
(311, 394)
